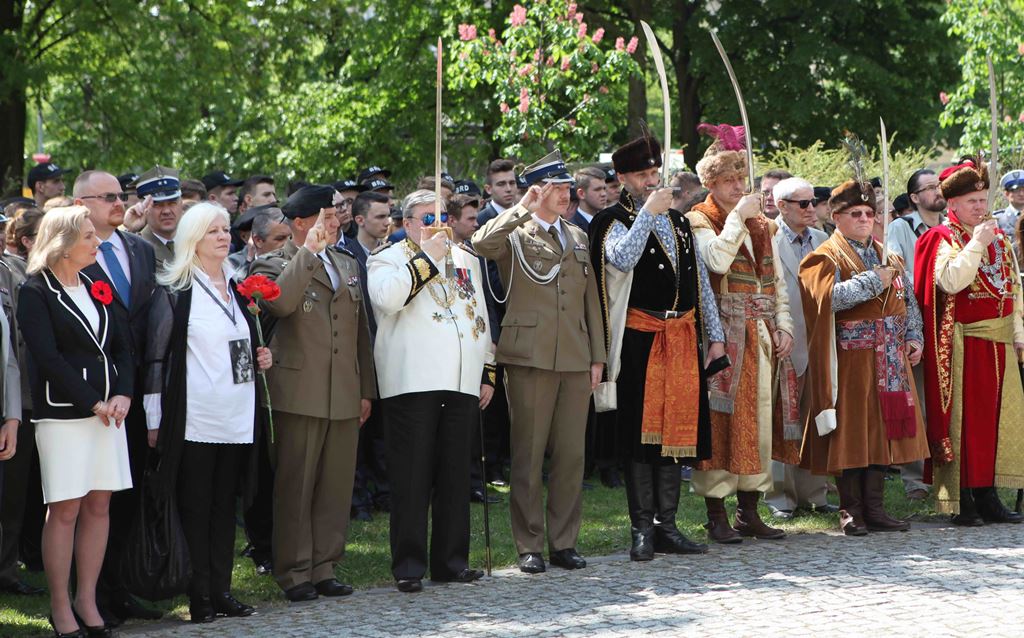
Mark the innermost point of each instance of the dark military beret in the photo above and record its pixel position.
(308, 200)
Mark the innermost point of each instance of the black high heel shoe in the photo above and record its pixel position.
(101, 631)
(70, 634)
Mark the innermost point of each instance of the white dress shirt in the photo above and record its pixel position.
(120, 251)
(332, 272)
(547, 227)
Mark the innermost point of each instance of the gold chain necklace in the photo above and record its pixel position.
(444, 298)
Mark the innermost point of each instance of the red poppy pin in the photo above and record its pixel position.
(101, 292)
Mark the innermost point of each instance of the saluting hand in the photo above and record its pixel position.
(535, 195)
(316, 238)
(659, 201)
(135, 216)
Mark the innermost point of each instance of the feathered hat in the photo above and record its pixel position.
(857, 191)
(969, 176)
(726, 155)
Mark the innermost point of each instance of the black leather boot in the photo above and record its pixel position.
(968, 516)
(991, 508)
(640, 499)
(873, 494)
(667, 537)
(851, 502)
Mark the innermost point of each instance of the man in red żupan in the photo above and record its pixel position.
(969, 289)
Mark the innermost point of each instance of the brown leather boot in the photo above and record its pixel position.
(875, 516)
(718, 526)
(851, 517)
(748, 521)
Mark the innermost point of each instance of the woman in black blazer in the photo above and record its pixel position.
(80, 371)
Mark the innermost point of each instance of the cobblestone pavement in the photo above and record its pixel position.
(928, 582)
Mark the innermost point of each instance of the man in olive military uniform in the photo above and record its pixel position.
(162, 212)
(552, 347)
(320, 390)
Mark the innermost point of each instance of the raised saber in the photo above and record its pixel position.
(659, 64)
(437, 138)
(993, 160)
(885, 194)
(743, 108)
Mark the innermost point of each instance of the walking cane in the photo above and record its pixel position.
(487, 506)
(1019, 507)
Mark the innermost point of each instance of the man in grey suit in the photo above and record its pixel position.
(792, 486)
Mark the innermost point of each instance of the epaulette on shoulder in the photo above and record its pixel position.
(342, 250)
(381, 248)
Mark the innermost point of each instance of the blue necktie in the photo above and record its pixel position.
(124, 289)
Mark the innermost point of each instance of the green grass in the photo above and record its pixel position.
(367, 561)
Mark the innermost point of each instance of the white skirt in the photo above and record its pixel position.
(81, 455)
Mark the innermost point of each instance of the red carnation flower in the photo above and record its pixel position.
(259, 287)
(102, 293)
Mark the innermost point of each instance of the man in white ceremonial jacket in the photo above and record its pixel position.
(435, 372)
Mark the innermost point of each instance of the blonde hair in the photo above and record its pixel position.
(177, 273)
(58, 231)
(60, 201)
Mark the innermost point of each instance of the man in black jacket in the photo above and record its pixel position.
(127, 263)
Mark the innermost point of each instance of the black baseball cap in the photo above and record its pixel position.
(42, 172)
(370, 171)
(216, 179)
(379, 185)
(348, 185)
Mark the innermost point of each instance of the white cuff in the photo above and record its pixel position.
(154, 413)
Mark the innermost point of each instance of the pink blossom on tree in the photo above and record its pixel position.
(524, 100)
(582, 31)
(504, 107)
(594, 67)
(467, 32)
(620, 44)
(631, 47)
(1020, 48)
(518, 16)
(525, 70)
(943, 97)
(565, 64)
(603, 90)
(491, 34)
(572, 8)
(598, 35)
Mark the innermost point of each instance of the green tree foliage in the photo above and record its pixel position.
(825, 165)
(553, 83)
(308, 89)
(995, 27)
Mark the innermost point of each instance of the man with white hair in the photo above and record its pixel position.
(796, 237)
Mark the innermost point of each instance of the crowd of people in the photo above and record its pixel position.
(757, 339)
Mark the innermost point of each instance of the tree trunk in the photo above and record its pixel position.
(12, 106)
(637, 107)
(687, 85)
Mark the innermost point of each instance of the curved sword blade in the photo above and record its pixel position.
(885, 194)
(743, 107)
(659, 64)
(993, 160)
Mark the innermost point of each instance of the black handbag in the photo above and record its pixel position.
(156, 563)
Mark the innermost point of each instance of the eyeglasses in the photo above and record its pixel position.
(933, 187)
(428, 219)
(802, 203)
(856, 214)
(345, 203)
(109, 198)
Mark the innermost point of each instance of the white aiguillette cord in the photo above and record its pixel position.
(533, 275)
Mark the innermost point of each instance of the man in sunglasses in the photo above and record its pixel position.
(970, 292)
(126, 262)
(864, 333)
(792, 486)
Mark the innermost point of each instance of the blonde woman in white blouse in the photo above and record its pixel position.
(201, 401)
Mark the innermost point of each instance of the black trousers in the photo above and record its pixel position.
(124, 506)
(207, 486)
(259, 518)
(14, 500)
(370, 487)
(497, 427)
(428, 437)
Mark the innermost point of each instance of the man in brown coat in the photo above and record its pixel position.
(320, 391)
(552, 347)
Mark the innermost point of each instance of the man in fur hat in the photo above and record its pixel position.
(863, 412)
(658, 305)
(969, 289)
(735, 241)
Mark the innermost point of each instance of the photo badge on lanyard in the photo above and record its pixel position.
(241, 360)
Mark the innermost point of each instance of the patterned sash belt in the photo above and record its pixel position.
(672, 382)
(886, 337)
